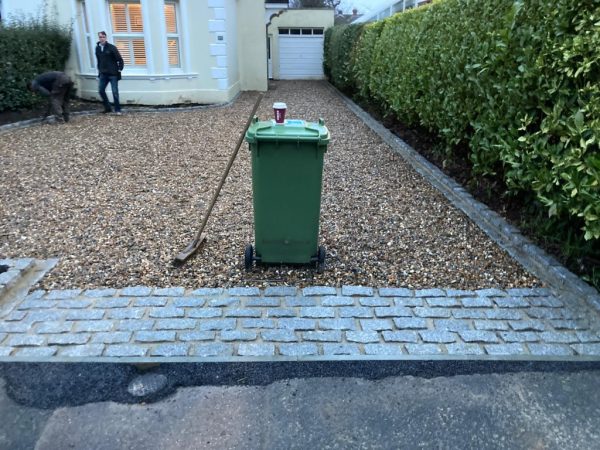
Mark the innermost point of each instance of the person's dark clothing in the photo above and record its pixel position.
(110, 64)
(57, 86)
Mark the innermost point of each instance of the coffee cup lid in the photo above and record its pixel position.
(279, 105)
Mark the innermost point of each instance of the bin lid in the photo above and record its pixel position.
(292, 130)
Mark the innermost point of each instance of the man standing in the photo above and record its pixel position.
(57, 86)
(110, 65)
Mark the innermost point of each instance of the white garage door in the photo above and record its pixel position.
(300, 54)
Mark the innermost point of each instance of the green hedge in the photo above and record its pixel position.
(28, 49)
(515, 81)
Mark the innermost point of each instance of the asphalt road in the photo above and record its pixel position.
(516, 410)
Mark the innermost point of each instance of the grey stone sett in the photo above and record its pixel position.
(587, 349)
(397, 311)
(279, 335)
(281, 312)
(317, 312)
(245, 349)
(154, 336)
(36, 352)
(376, 324)
(68, 338)
(177, 324)
(37, 294)
(464, 349)
(546, 313)
(363, 337)
(355, 311)
(196, 336)
(114, 337)
(340, 301)
(432, 312)
(261, 301)
(374, 301)
(80, 351)
(37, 304)
(511, 302)
(243, 313)
(478, 336)
(85, 314)
(280, 291)
(476, 302)
(207, 291)
(361, 291)
(445, 302)
(165, 313)
(439, 337)
(44, 316)
(337, 324)
(14, 327)
(412, 323)
(169, 292)
(297, 324)
(237, 335)
(258, 323)
(505, 349)
(244, 291)
(117, 302)
(96, 293)
(170, 350)
(225, 302)
(189, 302)
(546, 302)
(61, 294)
(587, 336)
(557, 337)
(126, 350)
(136, 291)
(150, 301)
(73, 304)
(396, 292)
(218, 324)
(549, 350)
(430, 293)
(523, 336)
(204, 313)
(400, 336)
(22, 340)
(527, 325)
(490, 292)
(15, 316)
(527, 292)
(423, 349)
(6, 351)
(571, 314)
(383, 349)
(88, 326)
(300, 301)
(340, 349)
(134, 325)
(304, 349)
(452, 324)
(318, 290)
(323, 336)
(126, 313)
(502, 314)
(217, 349)
(497, 325)
(459, 293)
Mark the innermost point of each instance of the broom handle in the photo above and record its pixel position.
(229, 164)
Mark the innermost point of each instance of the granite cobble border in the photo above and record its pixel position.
(320, 322)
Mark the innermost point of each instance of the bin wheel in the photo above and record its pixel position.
(321, 259)
(248, 257)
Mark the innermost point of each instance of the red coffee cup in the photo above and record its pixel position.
(279, 111)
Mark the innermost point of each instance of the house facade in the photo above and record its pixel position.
(389, 9)
(175, 51)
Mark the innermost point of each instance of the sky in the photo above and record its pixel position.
(363, 6)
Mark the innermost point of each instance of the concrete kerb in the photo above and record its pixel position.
(535, 260)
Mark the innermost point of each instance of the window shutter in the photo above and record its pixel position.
(170, 18)
(123, 47)
(135, 18)
(173, 49)
(139, 52)
(118, 14)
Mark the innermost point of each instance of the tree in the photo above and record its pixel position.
(316, 4)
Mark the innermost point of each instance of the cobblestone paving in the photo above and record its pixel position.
(248, 322)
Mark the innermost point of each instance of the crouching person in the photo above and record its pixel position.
(57, 86)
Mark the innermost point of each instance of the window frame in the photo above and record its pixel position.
(173, 36)
(129, 35)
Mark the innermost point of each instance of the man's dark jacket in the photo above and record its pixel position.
(50, 83)
(109, 60)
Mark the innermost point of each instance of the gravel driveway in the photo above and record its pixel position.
(116, 198)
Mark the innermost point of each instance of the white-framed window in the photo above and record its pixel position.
(88, 37)
(173, 37)
(128, 31)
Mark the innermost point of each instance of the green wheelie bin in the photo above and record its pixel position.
(287, 174)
